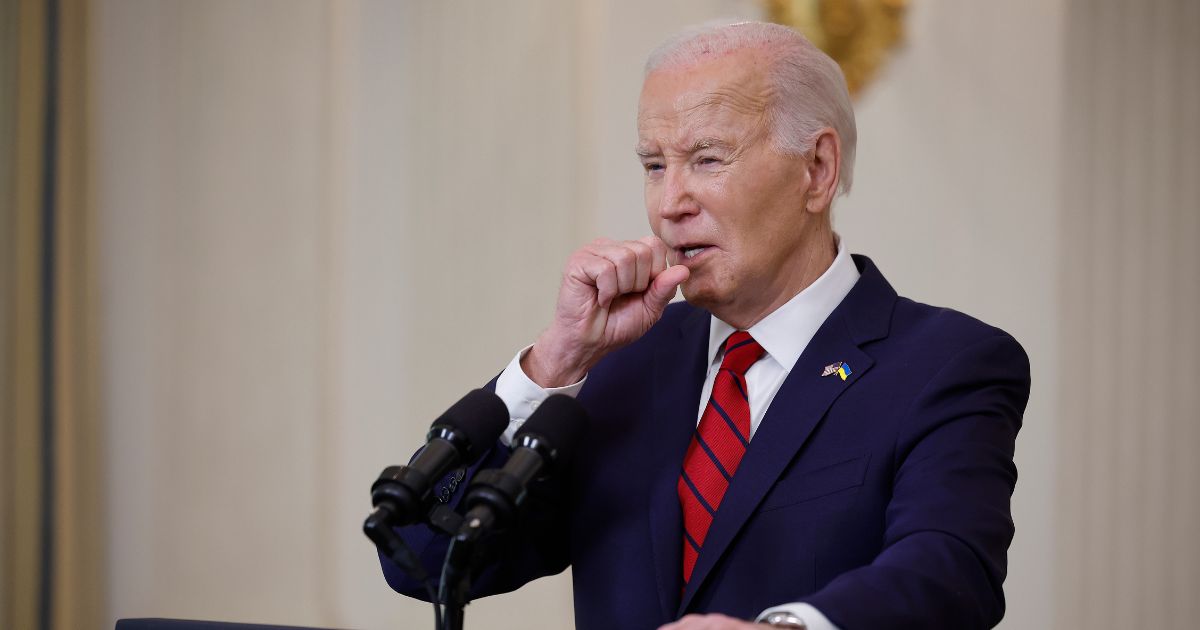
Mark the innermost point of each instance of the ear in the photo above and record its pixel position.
(824, 171)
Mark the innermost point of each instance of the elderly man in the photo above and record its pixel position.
(796, 445)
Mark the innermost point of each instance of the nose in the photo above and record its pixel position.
(676, 200)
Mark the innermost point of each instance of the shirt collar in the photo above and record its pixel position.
(786, 331)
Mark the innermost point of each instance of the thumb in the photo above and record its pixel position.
(663, 288)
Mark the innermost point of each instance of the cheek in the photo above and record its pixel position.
(715, 190)
(652, 197)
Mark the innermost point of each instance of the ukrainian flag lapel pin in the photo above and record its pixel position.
(841, 368)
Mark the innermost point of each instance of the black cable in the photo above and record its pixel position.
(437, 609)
(397, 550)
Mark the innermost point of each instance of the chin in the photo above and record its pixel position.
(701, 295)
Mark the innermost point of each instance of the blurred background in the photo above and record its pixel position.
(249, 249)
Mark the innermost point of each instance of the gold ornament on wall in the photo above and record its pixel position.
(858, 34)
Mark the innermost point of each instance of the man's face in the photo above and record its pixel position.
(730, 207)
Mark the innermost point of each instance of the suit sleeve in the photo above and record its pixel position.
(948, 523)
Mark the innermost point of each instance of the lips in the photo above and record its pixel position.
(686, 254)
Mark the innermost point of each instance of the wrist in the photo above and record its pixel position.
(551, 363)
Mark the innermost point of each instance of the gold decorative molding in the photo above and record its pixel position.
(858, 34)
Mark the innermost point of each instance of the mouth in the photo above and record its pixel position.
(688, 254)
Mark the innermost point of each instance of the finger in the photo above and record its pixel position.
(645, 264)
(594, 275)
(601, 273)
(681, 623)
(663, 288)
(712, 621)
(660, 250)
(624, 260)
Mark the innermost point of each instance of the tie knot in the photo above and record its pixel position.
(741, 351)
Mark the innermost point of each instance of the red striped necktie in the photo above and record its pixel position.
(717, 446)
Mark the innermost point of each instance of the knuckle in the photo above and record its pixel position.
(580, 257)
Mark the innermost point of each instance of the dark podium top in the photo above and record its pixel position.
(187, 624)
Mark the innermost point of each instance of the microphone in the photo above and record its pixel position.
(545, 443)
(542, 446)
(460, 436)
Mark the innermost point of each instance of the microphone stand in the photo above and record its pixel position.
(495, 496)
(388, 543)
(461, 560)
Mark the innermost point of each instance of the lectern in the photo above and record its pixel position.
(187, 624)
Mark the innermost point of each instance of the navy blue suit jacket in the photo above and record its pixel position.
(883, 500)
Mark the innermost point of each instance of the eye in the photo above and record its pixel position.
(652, 168)
(708, 161)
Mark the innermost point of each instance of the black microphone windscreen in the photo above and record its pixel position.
(561, 421)
(481, 415)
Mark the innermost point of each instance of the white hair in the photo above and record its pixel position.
(809, 91)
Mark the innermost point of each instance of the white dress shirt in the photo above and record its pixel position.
(783, 334)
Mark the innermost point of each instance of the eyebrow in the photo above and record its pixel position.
(708, 143)
(699, 145)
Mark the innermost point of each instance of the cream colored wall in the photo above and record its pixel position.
(323, 221)
(211, 195)
(1131, 408)
(455, 213)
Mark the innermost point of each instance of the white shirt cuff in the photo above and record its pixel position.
(811, 616)
(522, 396)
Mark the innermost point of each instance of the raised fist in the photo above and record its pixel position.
(612, 292)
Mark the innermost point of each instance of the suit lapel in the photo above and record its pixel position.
(676, 403)
(795, 412)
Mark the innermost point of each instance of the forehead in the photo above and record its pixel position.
(723, 95)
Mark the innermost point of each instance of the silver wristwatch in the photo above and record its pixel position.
(784, 619)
